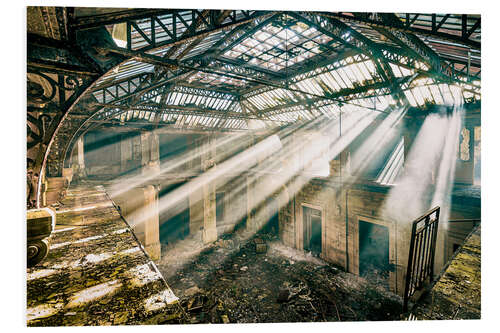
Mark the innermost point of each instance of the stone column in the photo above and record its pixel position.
(209, 222)
(151, 223)
(139, 206)
(150, 153)
(196, 214)
(154, 156)
(251, 204)
(80, 152)
(209, 204)
(464, 172)
(78, 160)
(125, 154)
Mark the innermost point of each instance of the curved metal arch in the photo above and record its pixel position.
(41, 170)
(77, 133)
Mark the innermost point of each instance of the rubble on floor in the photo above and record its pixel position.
(457, 293)
(96, 272)
(234, 282)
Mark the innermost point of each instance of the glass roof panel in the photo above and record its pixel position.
(426, 93)
(280, 43)
(418, 96)
(344, 77)
(410, 98)
(436, 94)
(395, 70)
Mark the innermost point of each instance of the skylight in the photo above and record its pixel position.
(281, 44)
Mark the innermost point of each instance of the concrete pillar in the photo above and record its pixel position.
(209, 218)
(139, 206)
(125, 154)
(196, 214)
(80, 153)
(78, 160)
(251, 222)
(150, 150)
(209, 204)
(464, 172)
(252, 208)
(144, 149)
(151, 223)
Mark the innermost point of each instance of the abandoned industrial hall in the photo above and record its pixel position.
(190, 166)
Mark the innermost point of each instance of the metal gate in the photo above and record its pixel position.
(421, 256)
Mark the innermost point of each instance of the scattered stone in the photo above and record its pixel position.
(287, 288)
(192, 291)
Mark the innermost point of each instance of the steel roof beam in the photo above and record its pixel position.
(250, 30)
(436, 31)
(152, 41)
(337, 30)
(233, 67)
(346, 94)
(179, 110)
(168, 63)
(347, 35)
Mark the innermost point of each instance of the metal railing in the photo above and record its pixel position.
(421, 255)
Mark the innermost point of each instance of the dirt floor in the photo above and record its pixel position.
(230, 282)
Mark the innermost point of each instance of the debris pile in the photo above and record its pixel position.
(241, 284)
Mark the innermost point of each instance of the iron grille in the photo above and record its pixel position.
(421, 255)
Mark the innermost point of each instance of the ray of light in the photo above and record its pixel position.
(428, 173)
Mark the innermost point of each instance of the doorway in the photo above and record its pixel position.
(373, 249)
(312, 230)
